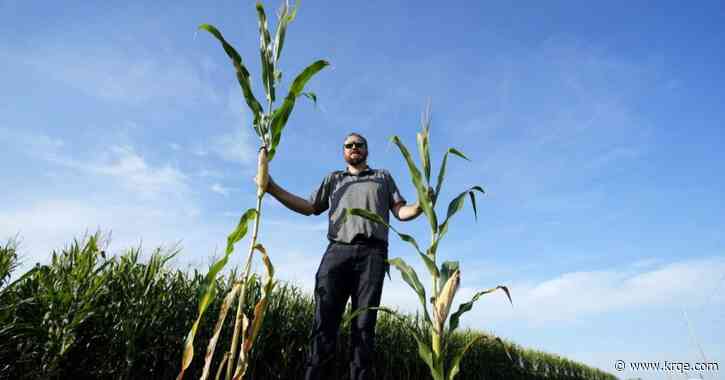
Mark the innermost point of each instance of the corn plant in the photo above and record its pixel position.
(445, 280)
(8, 260)
(268, 126)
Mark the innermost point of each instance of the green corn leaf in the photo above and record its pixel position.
(209, 287)
(465, 307)
(458, 355)
(420, 187)
(411, 278)
(429, 263)
(456, 205)
(298, 85)
(424, 350)
(286, 15)
(423, 143)
(265, 53)
(281, 114)
(367, 214)
(242, 73)
(442, 171)
(241, 230)
(311, 96)
(447, 269)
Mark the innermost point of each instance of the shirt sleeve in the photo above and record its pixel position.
(393, 192)
(320, 198)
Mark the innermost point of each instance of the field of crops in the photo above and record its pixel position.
(90, 314)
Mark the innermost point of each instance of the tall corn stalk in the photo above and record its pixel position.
(445, 280)
(268, 126)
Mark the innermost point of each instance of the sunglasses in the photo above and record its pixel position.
(354, 145)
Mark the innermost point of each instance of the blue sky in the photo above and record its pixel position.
(594, 128)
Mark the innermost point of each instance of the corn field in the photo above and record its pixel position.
(89, 314)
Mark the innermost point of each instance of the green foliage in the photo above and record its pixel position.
(132, 326)
(269, 125)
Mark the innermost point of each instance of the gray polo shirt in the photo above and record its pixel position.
(371, 189)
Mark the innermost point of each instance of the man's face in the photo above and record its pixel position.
(355, 150)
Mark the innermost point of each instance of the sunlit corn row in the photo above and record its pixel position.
(92, 314)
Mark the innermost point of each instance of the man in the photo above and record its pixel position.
(354, 263)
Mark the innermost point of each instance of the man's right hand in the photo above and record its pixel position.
(270, 182)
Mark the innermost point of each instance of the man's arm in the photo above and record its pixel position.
(290, 200)
(404, 212)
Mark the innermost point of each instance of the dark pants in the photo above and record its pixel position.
(356, 271)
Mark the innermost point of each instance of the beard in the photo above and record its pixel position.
(356, 160)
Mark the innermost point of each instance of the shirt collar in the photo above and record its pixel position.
(365, 171)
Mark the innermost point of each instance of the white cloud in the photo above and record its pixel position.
(573, 295)
(235, 147)
(209, 173)
(132, 171)
(32, 144)
(120, 162)
(219, 189)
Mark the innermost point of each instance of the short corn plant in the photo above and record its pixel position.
(268, 126)
(432, 339)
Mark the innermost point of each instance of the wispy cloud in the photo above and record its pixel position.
(36, 145)
(132, 171)
(238, 144)
(219, 189)
(119, 162)
(574, 295)
(234, 147)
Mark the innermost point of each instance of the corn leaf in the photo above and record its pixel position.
(225, 361)
(242, 73)
(311, 96)
(261, 308)
(442, 171)
(265, 53)
(458, 355)
(209, 288)
(243, 360)
(217, 329)
(456, 205)
(281, 114)
(429, 263)
(420, 187)
(428, 357)
(464, 307)
(411, 278)
(423, 143)
(240, 231)
(286, 15)
(424, 350)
